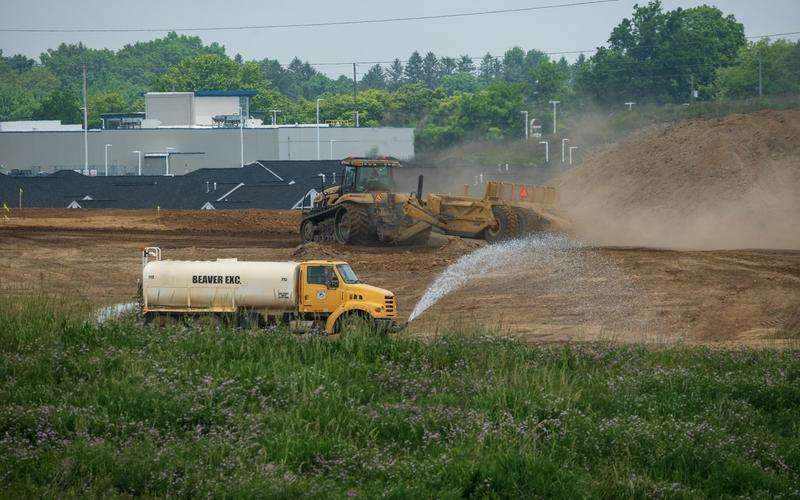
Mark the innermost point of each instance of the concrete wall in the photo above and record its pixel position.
(170, 108)
(194, 148)
(207, 107)
(300, 143)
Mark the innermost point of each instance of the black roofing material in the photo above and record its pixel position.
(264, 184)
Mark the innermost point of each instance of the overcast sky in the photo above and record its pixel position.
(562, 29)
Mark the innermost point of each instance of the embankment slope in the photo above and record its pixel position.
(725, 183)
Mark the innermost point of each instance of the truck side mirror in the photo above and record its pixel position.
(333, 283)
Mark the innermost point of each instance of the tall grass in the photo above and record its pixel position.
(120, 409)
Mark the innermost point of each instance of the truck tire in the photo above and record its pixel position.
(359, 322)
(351, 226)
(507, 225)
(307, 231)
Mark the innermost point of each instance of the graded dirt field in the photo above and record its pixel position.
(545, 289)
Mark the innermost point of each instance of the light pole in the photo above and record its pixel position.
(140, 160)
(571, 149)
(318, 101)
(546, 151)
(275, 116)
(527, 130)
(332, 141)
(563, 149)
(168, 159)
(106, 162)
(555, 106)
(630, 105)
(241, 135)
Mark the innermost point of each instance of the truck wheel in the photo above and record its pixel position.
(352, 226)
(359, 322)
(307, 231)
(507, 225)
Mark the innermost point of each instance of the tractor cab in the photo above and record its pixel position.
(363, 175)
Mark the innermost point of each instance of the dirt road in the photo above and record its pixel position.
(556, 294)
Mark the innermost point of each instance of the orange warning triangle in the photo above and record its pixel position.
(523, 193)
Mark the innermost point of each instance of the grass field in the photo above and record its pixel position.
(120, 409)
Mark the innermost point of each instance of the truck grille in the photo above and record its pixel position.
(390, 303)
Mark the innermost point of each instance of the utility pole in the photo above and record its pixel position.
(527, 130)
(85, 124)
(241, 134)
(140, 160)
(355, 103)
(318, 101)
(555, 105)
(106, 162)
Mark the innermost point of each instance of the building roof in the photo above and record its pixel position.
(225, 93)
(262, 184)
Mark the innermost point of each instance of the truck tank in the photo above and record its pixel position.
(222, 285)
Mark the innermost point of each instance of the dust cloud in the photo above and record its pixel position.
(730, 183)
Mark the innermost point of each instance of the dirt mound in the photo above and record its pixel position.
(732, 182)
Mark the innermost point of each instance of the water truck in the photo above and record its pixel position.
(308, 295)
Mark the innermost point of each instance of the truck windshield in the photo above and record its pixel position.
(347, 274)
(374, 179)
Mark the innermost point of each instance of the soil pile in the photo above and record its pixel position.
(732, 182)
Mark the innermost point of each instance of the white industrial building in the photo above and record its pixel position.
(182, 131)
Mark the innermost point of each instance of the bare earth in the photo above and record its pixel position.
(723, 298)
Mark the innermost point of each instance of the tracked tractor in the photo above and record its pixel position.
(366, 209)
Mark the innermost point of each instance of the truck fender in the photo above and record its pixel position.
(329, 324)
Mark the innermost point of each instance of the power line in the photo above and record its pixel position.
(555, 53)
(307, 25)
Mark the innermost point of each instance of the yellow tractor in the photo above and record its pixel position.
(365, 210)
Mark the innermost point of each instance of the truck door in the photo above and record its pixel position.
(321, 290)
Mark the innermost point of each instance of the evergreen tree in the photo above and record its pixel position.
(489, 68)
(430, 70)
(465, 64)
(413, 69)
(447, 66)
(374, 78)
(395, 74)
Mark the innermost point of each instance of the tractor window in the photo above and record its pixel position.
(374, 179)
(318, 275)
(349, 182)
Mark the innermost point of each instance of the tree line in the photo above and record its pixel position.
(655, 56)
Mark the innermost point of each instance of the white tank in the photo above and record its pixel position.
(224, 284)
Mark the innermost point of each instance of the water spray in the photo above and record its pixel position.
(532, 250)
